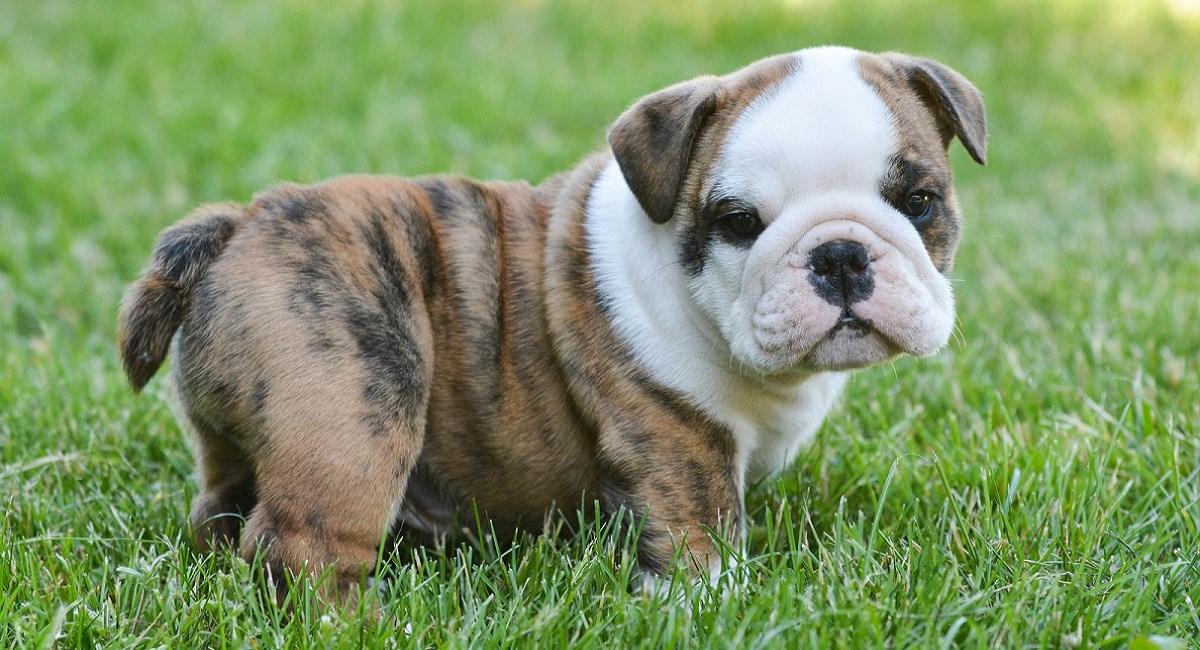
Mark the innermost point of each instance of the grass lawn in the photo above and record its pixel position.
(1036, 485)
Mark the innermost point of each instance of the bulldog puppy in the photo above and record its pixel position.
(654, 329)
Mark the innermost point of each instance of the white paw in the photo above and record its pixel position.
(730, 577)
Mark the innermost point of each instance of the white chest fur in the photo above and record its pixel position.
(786, 425)
(635, 262)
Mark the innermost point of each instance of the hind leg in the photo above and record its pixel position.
(330, 478)
(227, 493)
(340, 428)
(314, 324)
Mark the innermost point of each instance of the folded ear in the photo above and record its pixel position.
(653, 142)
(953, 100)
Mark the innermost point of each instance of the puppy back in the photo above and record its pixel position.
(155, 305)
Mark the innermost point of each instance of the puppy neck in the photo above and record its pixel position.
(643, 287)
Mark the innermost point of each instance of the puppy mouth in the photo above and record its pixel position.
(852, 342)
(851, 323)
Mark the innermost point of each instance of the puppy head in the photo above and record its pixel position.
(811, 200)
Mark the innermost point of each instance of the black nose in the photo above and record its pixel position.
(841, 272)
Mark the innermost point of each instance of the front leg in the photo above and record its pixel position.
(682, 485)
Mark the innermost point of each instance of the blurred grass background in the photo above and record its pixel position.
(1044, 471)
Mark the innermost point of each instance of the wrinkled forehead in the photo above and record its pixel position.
(822, 128)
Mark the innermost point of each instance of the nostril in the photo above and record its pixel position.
(857, 258)
(820, 262)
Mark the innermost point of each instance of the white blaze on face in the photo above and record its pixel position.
(822, 129)
(811, 156)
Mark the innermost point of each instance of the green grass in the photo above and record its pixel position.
(1037, 485)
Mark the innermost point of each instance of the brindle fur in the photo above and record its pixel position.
(370, 353)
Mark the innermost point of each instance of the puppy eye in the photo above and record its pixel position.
(741, 225)
(917, 206)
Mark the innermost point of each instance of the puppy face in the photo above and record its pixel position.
(816, 231)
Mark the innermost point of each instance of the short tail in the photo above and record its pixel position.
(156, 304)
